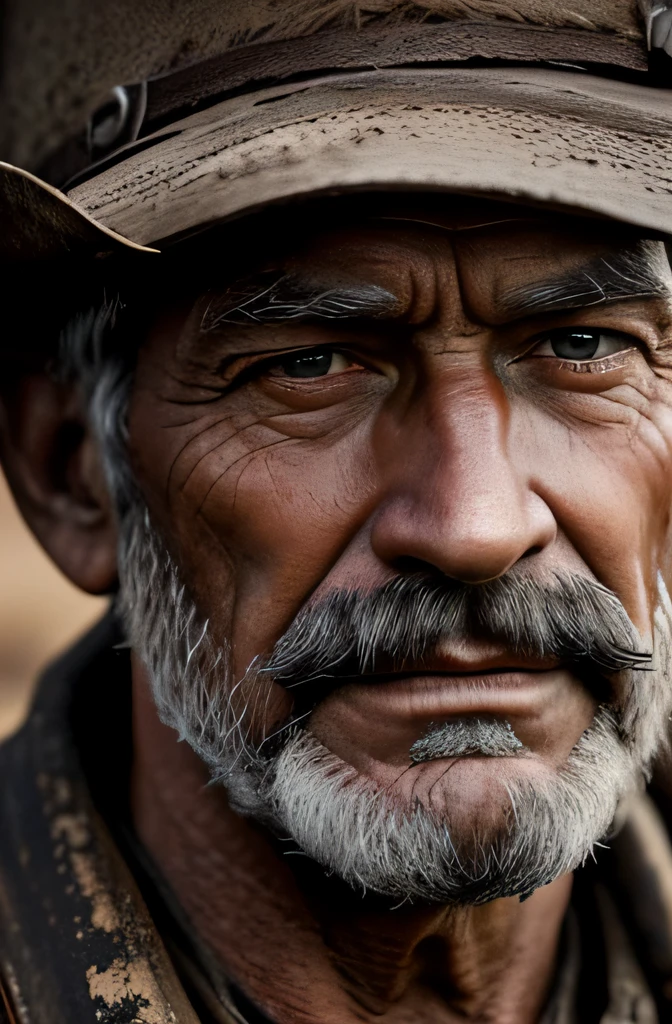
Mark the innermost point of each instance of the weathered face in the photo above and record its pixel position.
(417, 395)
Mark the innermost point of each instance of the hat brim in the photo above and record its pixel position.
(40, 223)
(562, 140)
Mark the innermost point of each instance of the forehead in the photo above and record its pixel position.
(491, 257)
(507, 237)
(503, 241)
(505, 258)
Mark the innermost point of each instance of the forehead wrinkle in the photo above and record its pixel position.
(454, 228)
(617, 276)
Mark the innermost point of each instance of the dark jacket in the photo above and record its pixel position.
(90, 935)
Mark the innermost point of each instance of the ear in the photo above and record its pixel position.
(53, 466)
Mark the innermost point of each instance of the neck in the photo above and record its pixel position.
(305, 948)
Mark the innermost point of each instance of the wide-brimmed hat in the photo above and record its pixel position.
(159, 127)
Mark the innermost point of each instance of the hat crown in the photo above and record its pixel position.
(62, 60)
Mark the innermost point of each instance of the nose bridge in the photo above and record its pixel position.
(469, 420)
(456, 495)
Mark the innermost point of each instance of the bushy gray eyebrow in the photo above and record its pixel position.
(633, 273)
(296, 299)
(280, 297)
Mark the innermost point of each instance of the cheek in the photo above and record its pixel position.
(606, 473)
(287, 511)
(257, 518)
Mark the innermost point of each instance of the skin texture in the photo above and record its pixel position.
(450, 439)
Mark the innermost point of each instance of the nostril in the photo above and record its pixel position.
(536, 549)
(406, 565)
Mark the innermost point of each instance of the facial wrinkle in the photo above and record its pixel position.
(457, 228)
(191, 440)
(439, 307)
(249, 456)
(254, 422)
(471, 325)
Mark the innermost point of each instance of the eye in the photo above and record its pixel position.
(312, 364)
(582, 344)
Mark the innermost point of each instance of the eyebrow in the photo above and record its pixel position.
(290, 297)
(273, 297)
(621, 276)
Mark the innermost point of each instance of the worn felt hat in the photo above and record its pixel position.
(133, 125)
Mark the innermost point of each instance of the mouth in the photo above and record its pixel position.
(463, 682)
(380, 716)
(430, 695)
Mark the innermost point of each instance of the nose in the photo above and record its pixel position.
(457, 497)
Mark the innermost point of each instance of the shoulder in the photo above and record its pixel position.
(44, 804)
(7, 1013)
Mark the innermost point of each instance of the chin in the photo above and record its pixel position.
(470, 794)
(462, 831)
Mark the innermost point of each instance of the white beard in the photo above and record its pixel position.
(339, 817)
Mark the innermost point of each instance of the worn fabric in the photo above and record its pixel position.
(89, 932)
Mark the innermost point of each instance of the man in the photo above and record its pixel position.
(361, 410)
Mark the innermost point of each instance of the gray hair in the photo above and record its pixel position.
(91, 354)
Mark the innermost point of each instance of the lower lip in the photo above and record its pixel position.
(433, 696)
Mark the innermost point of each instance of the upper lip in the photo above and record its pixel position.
(469, 659)
(464, 662)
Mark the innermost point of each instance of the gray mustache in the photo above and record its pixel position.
(351, 633)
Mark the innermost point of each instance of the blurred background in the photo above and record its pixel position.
(40, 613)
